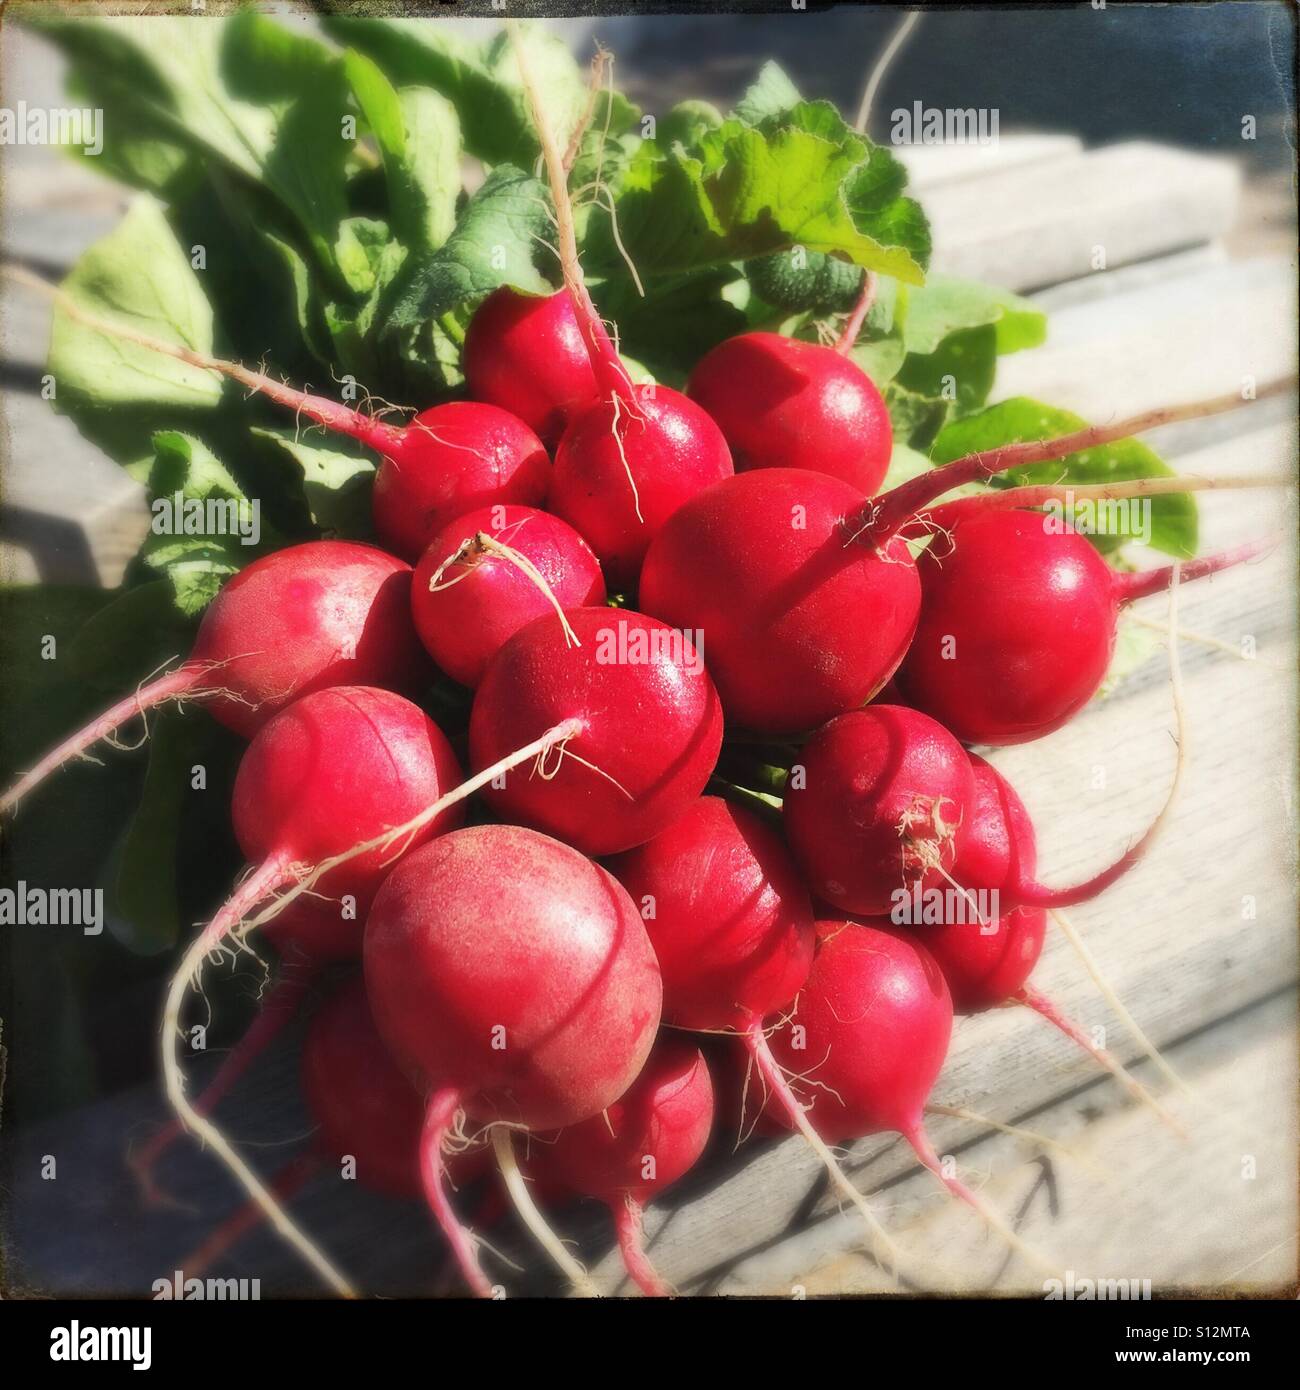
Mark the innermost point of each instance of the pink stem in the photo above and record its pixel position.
(1143, 583)
(286, 1184)
(853, 325)
(438, 1119)
(631, 1243)
(883, 516)
(920, 1141)
(179, 682)
(278, 1007)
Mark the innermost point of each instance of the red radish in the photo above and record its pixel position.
(624, 466)
(647, 720)
(1018, 622)
(515, 978)
(866, 1041)
(629, 459)
(800, 623)
(636, 1148)
(880, 802)
(312, 616)
(453, 459)
(477, 583)
(783, 403)
(337, 767)
(727, 914)
(526, 354)
(732, 927)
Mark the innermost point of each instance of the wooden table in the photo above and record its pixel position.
(1175, 316)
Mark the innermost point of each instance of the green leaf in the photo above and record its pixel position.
(118, 393)
(687, 122)
(481, 81)
(770, 94)
(880, 359)
(205, 529)
(494, 244)
(916, 419)
(145, 906)
(944, 305)
(336, 483)
(959, 374)
(798, 280)
(800, 179)
(1172, 519)
(264, 100)
(138, 631)
(419, 141)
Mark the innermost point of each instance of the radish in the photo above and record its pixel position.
(880, 804)
(489, 573)
(784, 403)
(803, 587)
(338, 766)
(800, 623)
(450, 460)
(629, 459)
(326, 613)
(1018, 622)
(514, 978)
(644, 720)
(866, 1041)
(635, 1149)
(526, 354)
(727, 914)
(732, 928)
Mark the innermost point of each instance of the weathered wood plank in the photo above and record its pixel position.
(929, 166)
(1181, 1213)
(1040, 223)
(1171, 340)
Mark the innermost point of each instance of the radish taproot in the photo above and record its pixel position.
(635, 1149)
(526, 354)
(630, 458)
(452, 459)
(302, 619)
(879, 803)
(336, 767)
(1018, 621)
(644, 719)
(514, 978)
(489, 573)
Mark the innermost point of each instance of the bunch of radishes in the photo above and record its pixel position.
(532, 980)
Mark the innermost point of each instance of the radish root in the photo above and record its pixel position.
(255, 887)
(503, 1147)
